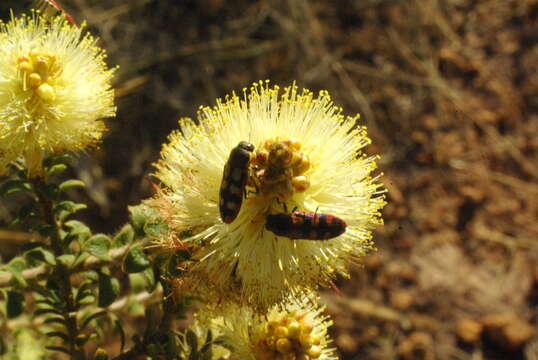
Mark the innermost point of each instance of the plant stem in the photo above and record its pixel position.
(61, 272)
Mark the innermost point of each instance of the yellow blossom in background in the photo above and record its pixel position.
(328, 174)
(54, 89)
(297, 330)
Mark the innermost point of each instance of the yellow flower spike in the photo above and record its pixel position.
(55, 89)
(306, 156)
(246, 332)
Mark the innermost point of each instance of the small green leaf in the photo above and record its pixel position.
(98, 245)
(56, 169)
(76, 231)
(58, 334)
(66, 259)
(109, 289)
(41, 255)
(151, 283)
(136, 260)
(55, 320)
(14, 304)
(13, 186)
(80, 259)
(54, 159)
(16, 267)
(67, 208)
(124, 236)
(43, 311)
(140, 216)
(58, 348)
(192, 340)
(71, 183)
(88, 319)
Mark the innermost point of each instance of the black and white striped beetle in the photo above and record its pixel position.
(305, 225)
(234, 180)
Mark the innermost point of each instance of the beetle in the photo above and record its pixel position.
(234, 180)
(50, 7)
(305, 225)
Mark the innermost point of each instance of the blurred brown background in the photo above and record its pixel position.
(448, 89)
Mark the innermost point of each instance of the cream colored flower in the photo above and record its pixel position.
(296, 331)
(54, 89)
(319, 169)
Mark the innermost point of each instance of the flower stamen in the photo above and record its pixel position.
(278, 167)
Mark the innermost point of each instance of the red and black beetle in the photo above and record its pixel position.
(305, 225)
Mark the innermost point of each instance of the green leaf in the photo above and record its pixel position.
(192, 340)
(80, 259)
(66, 259)
(95, 315)
(124, 236)
(156, 229)
(41, 255)
(83, 290)
(54, 159)
(140, 216)
(56, 169)
(77, 230)
(55, 320)
(109, 289)
(14, 304)
(58, 334)
(58, 348)
(66, 208)
(136, 260)
(151, 283)
(43, 311)
(13, 186)
(98, 245)
(16, 267)
(71, 183)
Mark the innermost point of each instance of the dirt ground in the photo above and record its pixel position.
(448, 90)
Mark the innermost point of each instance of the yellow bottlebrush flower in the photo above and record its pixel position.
(306, 156)
(297, 330)
(54, 89)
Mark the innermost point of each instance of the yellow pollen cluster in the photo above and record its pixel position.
(38, 70)
(290, 338)
(278, 169)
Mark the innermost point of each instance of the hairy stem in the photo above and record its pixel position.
(61, 273)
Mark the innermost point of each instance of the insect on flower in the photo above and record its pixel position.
(305, 225)
(50, 7)
(234, 180)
